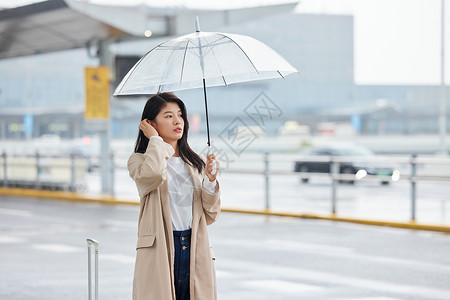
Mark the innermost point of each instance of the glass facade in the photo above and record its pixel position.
(50, 87)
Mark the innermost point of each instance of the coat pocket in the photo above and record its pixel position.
(145, 241)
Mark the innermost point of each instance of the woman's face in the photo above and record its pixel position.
(169, 122)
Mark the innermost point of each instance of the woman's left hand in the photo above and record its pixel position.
(209, 166)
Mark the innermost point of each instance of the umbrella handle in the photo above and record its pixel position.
(214, 162)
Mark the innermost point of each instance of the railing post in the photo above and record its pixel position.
(112, 170)
(334, 170)
(413, 186)
(72, 172)
(5, 177)
(38, 170)
(266, 179)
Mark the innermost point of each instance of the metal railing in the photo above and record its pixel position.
(66, 172)
(336, 176)
(69, 171)
(42, 171)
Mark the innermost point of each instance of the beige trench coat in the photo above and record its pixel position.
(153, 275)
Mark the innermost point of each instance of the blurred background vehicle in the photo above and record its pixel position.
(361, 162)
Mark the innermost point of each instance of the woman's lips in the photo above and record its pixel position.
(178, 130)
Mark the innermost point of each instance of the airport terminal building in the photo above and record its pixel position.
(45, 94)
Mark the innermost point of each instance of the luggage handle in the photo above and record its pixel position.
(91, 242)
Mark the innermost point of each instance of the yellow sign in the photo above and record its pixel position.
(97, 92)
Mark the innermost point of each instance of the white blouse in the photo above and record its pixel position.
(181, 192)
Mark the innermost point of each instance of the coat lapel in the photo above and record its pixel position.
(196, 214)
(167, 219)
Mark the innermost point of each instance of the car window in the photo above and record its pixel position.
(357, 151)
(322, 152)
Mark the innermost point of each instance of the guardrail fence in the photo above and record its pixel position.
(69, 172)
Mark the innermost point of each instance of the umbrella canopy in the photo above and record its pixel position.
(203, 58)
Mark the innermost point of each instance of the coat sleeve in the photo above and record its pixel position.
(211, 202)
(149, 170)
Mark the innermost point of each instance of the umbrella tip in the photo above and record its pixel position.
(197, 24)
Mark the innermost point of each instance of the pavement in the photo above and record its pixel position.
(44, 255)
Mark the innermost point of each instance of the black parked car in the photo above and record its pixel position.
(360, 169)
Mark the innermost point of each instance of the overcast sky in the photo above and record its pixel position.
(395, 41)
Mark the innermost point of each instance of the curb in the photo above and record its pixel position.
(333, 217)
(68, 196)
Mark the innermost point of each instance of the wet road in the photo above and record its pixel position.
(44, 256)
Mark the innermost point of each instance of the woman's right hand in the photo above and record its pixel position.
(147, 128)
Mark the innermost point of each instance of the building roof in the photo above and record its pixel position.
(56, 25)
(48, 26)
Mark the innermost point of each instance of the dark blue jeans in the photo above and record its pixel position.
(182, 243)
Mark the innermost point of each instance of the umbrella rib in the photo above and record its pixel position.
(211, 45)
(184, 59)
(173, 51)
(214, 54)
(136, 65)
(280, 74)
(241, 50)
(195, 46)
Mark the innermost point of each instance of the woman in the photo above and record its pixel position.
(179, 197)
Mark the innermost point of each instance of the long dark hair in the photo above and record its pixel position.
(151, 109)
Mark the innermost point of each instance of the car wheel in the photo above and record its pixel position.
(347, 171)
(304, 169)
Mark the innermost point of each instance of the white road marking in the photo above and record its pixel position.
(285, 244)
(59, 248)
(377, 298)
(121, 258)
(119, 223)
(282, 286)
(16, 212)
(224, 274)
(300, 274)
(335, 251)
(7, 239)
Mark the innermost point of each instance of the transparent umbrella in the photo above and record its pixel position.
(203, 59)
